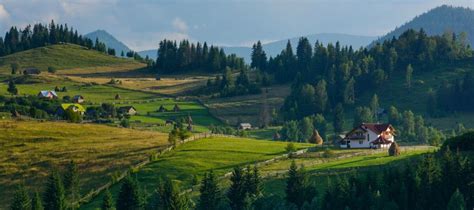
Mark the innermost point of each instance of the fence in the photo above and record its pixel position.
(86, 198)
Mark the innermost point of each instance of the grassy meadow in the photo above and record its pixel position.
(195, 158)
(31, 148)
(67, 56)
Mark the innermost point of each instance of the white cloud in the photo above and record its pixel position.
(3, 13)
(179, 24)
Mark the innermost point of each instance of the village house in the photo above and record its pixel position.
(74, 107)
(129, 110)
(244, 126)
(47, 94)
(369, 135)
(31, 71)
(78, 99)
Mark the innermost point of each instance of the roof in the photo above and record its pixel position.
(45, 93)
(245, 124)
(77, 96)
(78, 106)
(126, 108)
(376, 127)
(381, 140)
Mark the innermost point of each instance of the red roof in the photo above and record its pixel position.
(381, 140)
(375, 127)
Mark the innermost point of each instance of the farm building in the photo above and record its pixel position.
(48, 94)
(244, 126)
(369, 135)
(31, 71)
(130, 110)
(74, 107)
(78, 99)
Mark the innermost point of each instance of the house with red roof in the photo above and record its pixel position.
(369, 135)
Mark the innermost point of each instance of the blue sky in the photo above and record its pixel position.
(141, 24)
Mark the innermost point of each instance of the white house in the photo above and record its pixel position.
(369, 135)
(244, 126)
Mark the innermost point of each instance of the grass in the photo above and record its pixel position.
(67, 56)
(198, 157)
(321, 172)
(30, 149)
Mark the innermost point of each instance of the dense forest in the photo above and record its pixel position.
(185, 56)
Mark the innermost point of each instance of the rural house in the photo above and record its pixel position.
(78, 99)
(369, 135)
(74, 107)
(47, 94)
(129, 110)
(31, 71)
(244, 126)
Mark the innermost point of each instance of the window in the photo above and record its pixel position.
(361, 142)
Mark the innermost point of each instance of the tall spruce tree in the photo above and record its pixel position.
(12, 88)
(36, 203)
(21, 199)
(170, 198)
(237, 192)
(210, 196)
(129, 197)
(107, 201)
(71, 182)
(295, 185)
(338, 119)
(53, 197)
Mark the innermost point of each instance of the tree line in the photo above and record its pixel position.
(185, 56)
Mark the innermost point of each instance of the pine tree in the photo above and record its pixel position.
(374, 105)
(321, 97)
(107, 201)
(456, 202)
(408, 76)
(237, 193)
(295, 185)
(12, 88)
(21, 199)
(129, 196)
(338, 119)
(71, 181)
(36, 203)
(53, 197)
(210, 194)
(14, 68)
(170, 198)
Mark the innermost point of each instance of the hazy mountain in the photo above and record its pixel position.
(109, 40)
(274, 48)
(439, 20)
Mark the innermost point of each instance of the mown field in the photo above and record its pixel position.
(195, 158)
(29, 149)
(67, 56)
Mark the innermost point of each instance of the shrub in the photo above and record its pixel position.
(328, 153)
(51, 70)
(290, 147)
(125, 123)
(394, 149)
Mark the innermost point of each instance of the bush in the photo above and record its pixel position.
(328, 153)
(290, 147)
(125, 123)
(51, 70)
(394, 149)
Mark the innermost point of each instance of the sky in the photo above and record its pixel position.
(141, 24)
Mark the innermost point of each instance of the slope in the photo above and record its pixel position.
(439, 20)
(109, 40)
(66, 57)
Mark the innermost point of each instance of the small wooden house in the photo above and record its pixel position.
(244, 126)
(128, 110)
(31, 71)
(47, 94)
(78, 99)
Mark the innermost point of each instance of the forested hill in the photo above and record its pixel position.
(109, 40)
(438, 21)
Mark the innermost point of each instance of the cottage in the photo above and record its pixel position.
(369, 135)
(129, 110)
(48, 94)
(78, 99)
(31, 71)
(74, 107)
(244, 126)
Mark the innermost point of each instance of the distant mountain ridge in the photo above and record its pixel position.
(109, 40)
(437, 21)
(274, 48)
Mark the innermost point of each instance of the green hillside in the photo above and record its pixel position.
(64, 56)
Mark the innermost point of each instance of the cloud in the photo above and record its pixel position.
(3, 13)
(179, 24)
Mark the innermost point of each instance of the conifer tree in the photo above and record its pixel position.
(36, 203)
(456, 202)
(53, 197)
(71, 182)
(295, 185)
(170, 198)
(210, 194)
(374, 105)
(12, 88)
(408, 76)
(129, 196)
(237, 192)
(107, 201)
(21, 199)
(338, 119)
